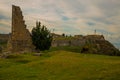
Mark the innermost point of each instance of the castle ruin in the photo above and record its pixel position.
(89, 44)
(20, 39)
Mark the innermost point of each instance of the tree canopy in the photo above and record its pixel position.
(41, 37)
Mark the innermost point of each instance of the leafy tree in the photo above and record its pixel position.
(41, 37)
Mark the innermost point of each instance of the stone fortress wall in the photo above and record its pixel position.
(89, 44)
(77, 40)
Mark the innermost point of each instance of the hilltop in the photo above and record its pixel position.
(96, 44)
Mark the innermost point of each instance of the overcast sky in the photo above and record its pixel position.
(67, 16)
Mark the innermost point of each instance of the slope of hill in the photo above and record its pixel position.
(96, 44)
(60, 65)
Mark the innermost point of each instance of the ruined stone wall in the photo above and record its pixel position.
(77, 41)
(69, 42)
(56, 43)
(20, 39)
(89, 44)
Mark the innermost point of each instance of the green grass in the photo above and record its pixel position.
(60, 65)
(75, 49)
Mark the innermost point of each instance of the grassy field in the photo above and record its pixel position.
(60, 65)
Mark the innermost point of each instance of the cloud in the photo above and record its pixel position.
(67, 16)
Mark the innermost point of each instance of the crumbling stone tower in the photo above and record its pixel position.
(20, 39)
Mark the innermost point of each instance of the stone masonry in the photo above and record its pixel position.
(20, 39)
